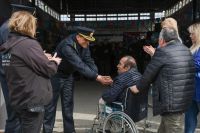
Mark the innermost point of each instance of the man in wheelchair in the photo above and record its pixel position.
(133, 105)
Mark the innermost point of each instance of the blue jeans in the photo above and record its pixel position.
(64, 87)
(12, 122)
(191, 117)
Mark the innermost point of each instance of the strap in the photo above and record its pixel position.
(18, 40)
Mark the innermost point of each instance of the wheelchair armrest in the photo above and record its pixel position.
(118, 103)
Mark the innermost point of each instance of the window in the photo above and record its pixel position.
(180, 4)
(79, 15)
(65, 17)
(132, 18)
(159, 14)
(91, 15)
(167, 13)
(133, 14)
(144, 16)
(101, 19)
(122, 15)
(101, 15)
(41, 4)
(122, 18)
(111, 18)
(45, 8)
(79, 19)
(111, 15)
(91, 19)
(36, 2)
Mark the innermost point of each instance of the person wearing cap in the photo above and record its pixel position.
(12, 122)
(75, 54)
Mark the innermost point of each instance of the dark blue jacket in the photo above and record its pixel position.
(4, 31)
(196, 58)
(75, 58)
(116, 92)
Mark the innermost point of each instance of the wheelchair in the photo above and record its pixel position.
(121, 117)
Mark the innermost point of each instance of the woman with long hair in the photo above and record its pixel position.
(192, 112)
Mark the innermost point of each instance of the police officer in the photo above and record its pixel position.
(75, 55)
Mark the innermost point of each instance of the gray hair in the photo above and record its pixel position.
(168, 34)
(130, 62)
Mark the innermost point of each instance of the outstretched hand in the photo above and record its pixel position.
(104, 80)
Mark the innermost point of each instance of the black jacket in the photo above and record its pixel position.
(27, 71)
(116, 92)
(172, 72)
(75, 58)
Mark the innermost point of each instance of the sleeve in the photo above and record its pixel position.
(34, 57)
(4, 32)
(79, 65)
(111, 94)
(152, 70)
(89, 61)
(197, 61)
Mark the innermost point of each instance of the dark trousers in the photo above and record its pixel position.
(12, 122)
(31, 122)
(62, 86)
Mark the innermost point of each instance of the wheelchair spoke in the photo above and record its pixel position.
(119, 122)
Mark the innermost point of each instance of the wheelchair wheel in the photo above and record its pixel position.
(119, 122)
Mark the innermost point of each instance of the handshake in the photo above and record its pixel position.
(53, 58)
(104, 80)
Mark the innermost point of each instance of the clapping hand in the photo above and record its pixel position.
(149, 50)
(47, 55)
(55, 58)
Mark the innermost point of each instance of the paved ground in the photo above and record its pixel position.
(86, 97)
(87, 94)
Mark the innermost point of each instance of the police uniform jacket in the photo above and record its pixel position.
(75, 58)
